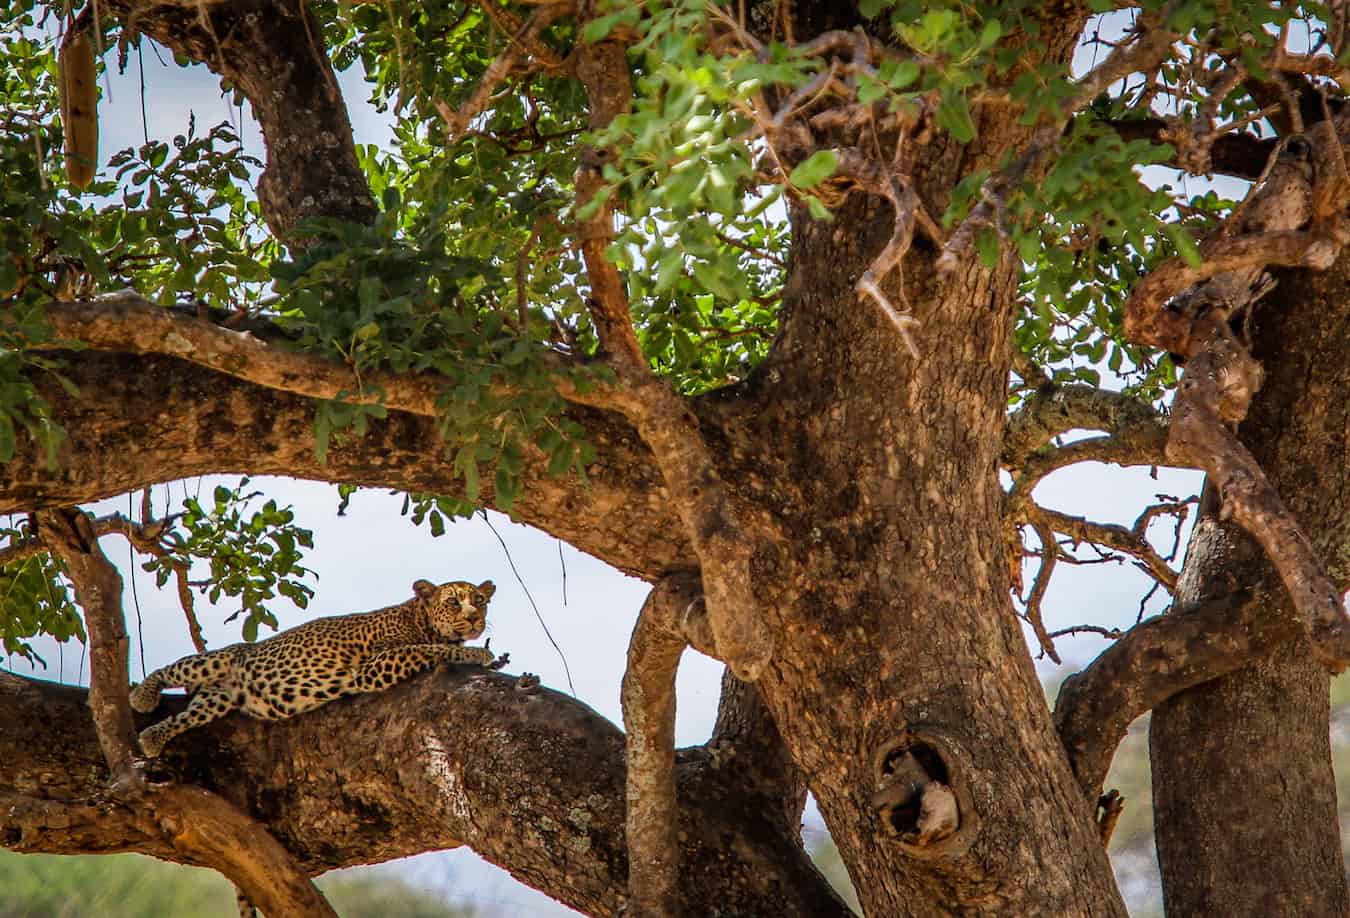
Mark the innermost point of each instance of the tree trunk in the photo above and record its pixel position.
(892, 599)
(1244, 795)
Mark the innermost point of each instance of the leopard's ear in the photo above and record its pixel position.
(487, 588)
(424, 589)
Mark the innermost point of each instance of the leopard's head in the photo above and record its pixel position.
(457, 611)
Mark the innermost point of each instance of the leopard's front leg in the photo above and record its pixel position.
(394, 664)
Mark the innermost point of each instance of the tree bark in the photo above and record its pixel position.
(891, 596)
(529, 778)
(143, 420)
(1244, 795)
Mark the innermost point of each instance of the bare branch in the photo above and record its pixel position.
(1214, 391)
(1141, 442)
(1130, 541)
(649, 723)
(1049, 555)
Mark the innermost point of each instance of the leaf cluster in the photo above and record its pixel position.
(253, 555)
(35, 598)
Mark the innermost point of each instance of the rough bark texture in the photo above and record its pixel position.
(141, 420)
(433, 764)
(1256, 741)
(877, 495)
(273, 52)
(876, 610)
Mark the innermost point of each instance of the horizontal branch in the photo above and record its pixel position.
(1130, 541)
(1141, 443)
(139, 421)
(1054, 410)
(1147, 321)
(1153, 661)
(1241, 155)
(128, 323)
(456, 756)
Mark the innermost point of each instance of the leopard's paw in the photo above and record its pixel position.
(150, 742)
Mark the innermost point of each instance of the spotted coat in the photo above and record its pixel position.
(310, 665)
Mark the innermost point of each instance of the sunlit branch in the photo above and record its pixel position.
(128, 323)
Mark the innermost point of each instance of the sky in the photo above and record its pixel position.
(369, 557)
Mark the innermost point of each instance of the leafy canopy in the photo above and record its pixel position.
(470, 270)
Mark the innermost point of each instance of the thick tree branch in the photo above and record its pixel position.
(1153, 661)
(649, 725)
(1214, 392)
(456, 756)
(1241, 155)
(1148, 322)
(128, 323)
(273, 51)
(69, 534)
(720, 537)
(143, 420)
(1054, 410)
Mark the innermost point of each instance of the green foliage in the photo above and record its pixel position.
(34, 599)
(253, 555)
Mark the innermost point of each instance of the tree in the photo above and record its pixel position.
(753, 301)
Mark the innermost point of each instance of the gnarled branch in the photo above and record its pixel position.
(649, 725)
(143, 420)
(128, 323)
(1153, 661)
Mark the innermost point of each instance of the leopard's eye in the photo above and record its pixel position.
(478, 599)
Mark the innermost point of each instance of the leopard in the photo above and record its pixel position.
(324, 659)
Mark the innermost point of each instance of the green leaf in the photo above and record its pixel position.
(817, 167)
(1185, 243)
(953, 113)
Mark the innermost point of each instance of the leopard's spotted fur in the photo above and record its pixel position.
(310, 665)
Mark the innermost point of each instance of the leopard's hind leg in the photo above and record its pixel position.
(207, 705)
(189, 672)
